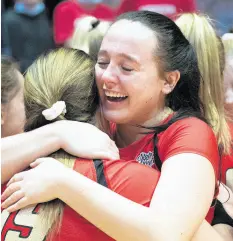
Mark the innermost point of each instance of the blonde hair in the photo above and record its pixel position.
(199, 31)
(67, 75)
(88, 35)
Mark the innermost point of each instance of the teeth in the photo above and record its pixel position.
(114, 94)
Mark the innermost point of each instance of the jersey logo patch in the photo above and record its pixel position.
(146, 158)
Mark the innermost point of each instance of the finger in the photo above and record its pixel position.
(113, 156)
(36, 163)
(107, 155)
(16, 178)
(41, 160)
(11, 189)
(18, 205)
(113, 144)
(114, 147)
(15, 197)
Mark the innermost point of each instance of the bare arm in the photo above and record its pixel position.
(179, 206)
(18, 151)
(78, 139)
(177, 219)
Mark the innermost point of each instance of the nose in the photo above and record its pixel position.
(110, 77)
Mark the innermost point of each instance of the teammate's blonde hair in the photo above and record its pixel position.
(60, 75)
(199, 31)
(88, 35)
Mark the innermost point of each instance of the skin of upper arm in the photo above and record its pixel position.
(183, 195)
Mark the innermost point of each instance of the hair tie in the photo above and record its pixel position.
(57, 109)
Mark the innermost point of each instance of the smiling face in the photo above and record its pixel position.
(130, 86)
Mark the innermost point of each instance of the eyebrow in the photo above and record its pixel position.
(129, 57)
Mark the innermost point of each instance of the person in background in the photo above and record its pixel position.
(88, 35)
(12, 106)
(169, 8)
(27, 32)
(211, 62)
(67, 12)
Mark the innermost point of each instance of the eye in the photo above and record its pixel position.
(127, 69)
(102, 64)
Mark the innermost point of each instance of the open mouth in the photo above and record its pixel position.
(115, 97)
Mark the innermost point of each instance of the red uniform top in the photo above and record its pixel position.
(68, 11)
(189, 135)
(124, 177)
(165, 7)
(227, 160)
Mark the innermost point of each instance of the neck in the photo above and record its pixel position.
(126, 134)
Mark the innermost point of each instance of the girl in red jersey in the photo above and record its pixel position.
(66, 74)
(67, 12)
(38, 222)
(211, 61)
(138, 88)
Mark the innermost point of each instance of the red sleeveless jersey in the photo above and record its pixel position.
(127, 178)
(189, 135)
(124, 177)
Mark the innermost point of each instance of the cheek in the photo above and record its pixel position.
(98, 78)
(18, 110)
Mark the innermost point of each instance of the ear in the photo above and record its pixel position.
(171, 79)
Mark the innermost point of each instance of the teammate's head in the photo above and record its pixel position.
(88, 35)
(12, 112)
(145, 63)
(199, 31)
(60, 75)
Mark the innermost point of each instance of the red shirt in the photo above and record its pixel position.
(68, 11)
(165, 7)
(124, 177)
(189, 135)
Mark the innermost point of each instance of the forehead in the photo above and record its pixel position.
(131, 38)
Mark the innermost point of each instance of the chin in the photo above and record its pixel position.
(116, 118)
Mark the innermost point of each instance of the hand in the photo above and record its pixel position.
(40, 184)
(85, 140)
